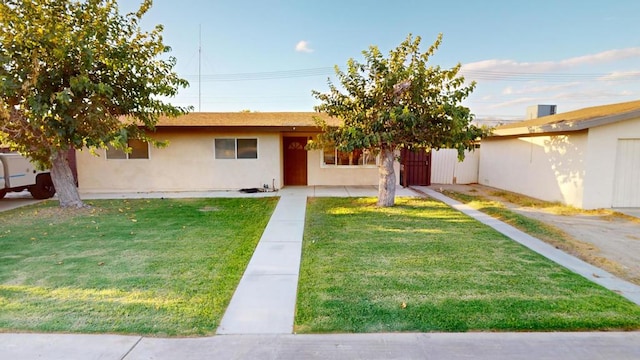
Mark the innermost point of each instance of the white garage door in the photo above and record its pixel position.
(626, 192)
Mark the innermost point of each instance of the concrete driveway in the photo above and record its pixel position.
(629, 211)
(16, 200)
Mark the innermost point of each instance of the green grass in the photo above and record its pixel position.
(421, 266)
(161, 267)
(539, 229)
(497, 210)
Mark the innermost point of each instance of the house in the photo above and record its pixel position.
(226, 151)
(588, 158)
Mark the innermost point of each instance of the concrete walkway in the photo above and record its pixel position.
(265, 299)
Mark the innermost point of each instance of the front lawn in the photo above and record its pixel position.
(162, 266)
(421, 266)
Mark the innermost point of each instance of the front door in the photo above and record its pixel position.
(417, 168)
(295, 161)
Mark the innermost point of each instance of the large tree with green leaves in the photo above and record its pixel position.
(395, 102)
(78, 74)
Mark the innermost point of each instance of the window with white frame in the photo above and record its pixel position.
(235, 148)
(139, 150)
(333, 157)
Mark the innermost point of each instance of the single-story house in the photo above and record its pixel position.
(588, 158)
(226, 151)
(231, 151)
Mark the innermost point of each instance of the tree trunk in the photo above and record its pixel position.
(64, 182)
(387, 181)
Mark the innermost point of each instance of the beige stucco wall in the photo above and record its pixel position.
(187, 164)
(550, 168)
(319, 174)
(601, 160)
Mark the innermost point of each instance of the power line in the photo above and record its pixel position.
(470, 74)
(268, 75)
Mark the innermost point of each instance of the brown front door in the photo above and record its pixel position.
(295, 161)
(417, 168)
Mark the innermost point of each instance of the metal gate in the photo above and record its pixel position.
(416, 167)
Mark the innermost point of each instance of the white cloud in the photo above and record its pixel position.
(506, 87)
(622, 75)
(530, 89)
(525, 100)
(512, 66)
(303, 46)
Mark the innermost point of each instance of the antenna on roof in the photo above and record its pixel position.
(200, 68)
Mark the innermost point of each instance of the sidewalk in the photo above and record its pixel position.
(264, 315)
(433, 346)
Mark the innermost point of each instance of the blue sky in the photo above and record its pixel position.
(268, 55)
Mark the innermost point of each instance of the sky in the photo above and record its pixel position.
(268, 55)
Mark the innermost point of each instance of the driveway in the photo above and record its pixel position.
(16, 200)
(635, 212)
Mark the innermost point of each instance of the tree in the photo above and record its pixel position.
(387, 104)
(77, 73)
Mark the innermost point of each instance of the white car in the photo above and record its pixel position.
(17, 173)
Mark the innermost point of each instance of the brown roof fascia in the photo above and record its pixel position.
(284, 120)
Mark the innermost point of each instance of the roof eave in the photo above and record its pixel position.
(567, 126)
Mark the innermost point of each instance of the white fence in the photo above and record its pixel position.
(446, 169)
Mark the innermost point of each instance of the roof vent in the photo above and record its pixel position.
(536, 111)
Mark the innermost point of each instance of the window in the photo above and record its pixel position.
(139, 150)
(332, 156)
(225, 148)
(236, 148)
(247, 148)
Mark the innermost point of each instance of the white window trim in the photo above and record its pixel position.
(235, 148)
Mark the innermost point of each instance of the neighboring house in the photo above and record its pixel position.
(226, 151)
(588, 158)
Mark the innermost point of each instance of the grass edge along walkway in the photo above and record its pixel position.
(578, 266)
(265, 299)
